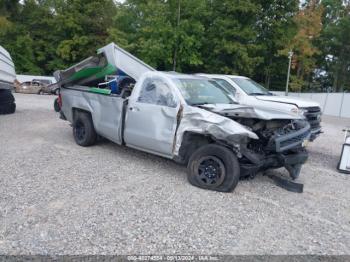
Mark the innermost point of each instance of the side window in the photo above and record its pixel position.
(157, 92)
(227, 85)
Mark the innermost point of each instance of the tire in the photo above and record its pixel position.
(7, 102)
(56, 106)
(8, 108)
(213, 167)
(83, 129)
(6, 96)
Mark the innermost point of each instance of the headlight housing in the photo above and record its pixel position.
(295, 110)
(298, 111)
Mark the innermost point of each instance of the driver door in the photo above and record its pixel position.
(151, 118)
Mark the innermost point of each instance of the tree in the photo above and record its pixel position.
(275, 28)
(81, 26)
(230, 43)
(334, 43)
(165, 34)
(47, 35)
(309, 24)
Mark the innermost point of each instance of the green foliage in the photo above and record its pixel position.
(249, 37)
(334, 43)
(276, 27)
(151, 30)
(45, 36)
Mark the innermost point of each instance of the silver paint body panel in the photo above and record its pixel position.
(7, 69)
(154, 128)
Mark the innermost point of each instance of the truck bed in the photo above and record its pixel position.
(106, 110)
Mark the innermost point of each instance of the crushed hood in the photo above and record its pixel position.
(197, 120)
(236, 110)
(289, 100)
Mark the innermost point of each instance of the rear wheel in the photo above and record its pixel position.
(83, 129)
(56, 105)
(213, 167)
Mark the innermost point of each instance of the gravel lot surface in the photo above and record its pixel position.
(59, 198)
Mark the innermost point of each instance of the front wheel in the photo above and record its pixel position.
(83, 129)
(213, 167)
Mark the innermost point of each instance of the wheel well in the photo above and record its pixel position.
(79, 110)
(191, 142)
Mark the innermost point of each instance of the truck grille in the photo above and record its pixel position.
(294, 140)
(291, 140)
(313, 116)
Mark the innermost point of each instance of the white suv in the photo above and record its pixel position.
(248, 92)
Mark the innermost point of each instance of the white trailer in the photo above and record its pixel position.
(7, 78)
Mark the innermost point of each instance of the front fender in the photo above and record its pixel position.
(201, 121)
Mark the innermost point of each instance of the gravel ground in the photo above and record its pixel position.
(59, 198)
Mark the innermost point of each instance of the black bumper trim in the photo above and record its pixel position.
(274, 161)
(297, 138)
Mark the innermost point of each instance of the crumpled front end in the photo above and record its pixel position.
(260, 143)
(196, 120)
(284, 147)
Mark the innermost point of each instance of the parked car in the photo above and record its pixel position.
(30, 87)
(50, 89)
(189, 119)
(248, 92)
(45, 82)
(7, 78)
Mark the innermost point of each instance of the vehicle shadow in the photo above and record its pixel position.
(141, 156)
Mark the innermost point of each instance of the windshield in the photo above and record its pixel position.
(202, 91)
(251, 87)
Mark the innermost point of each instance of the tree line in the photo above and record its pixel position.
(245, 37)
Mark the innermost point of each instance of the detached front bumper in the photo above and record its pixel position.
(291, 161)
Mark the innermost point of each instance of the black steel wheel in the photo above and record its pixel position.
(56, 105)
(210, 171)
(80, 130)
(83, 129)
(213, 167)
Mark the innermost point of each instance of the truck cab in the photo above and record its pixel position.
(248, 92)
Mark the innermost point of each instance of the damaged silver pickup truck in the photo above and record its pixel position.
(189, 119)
